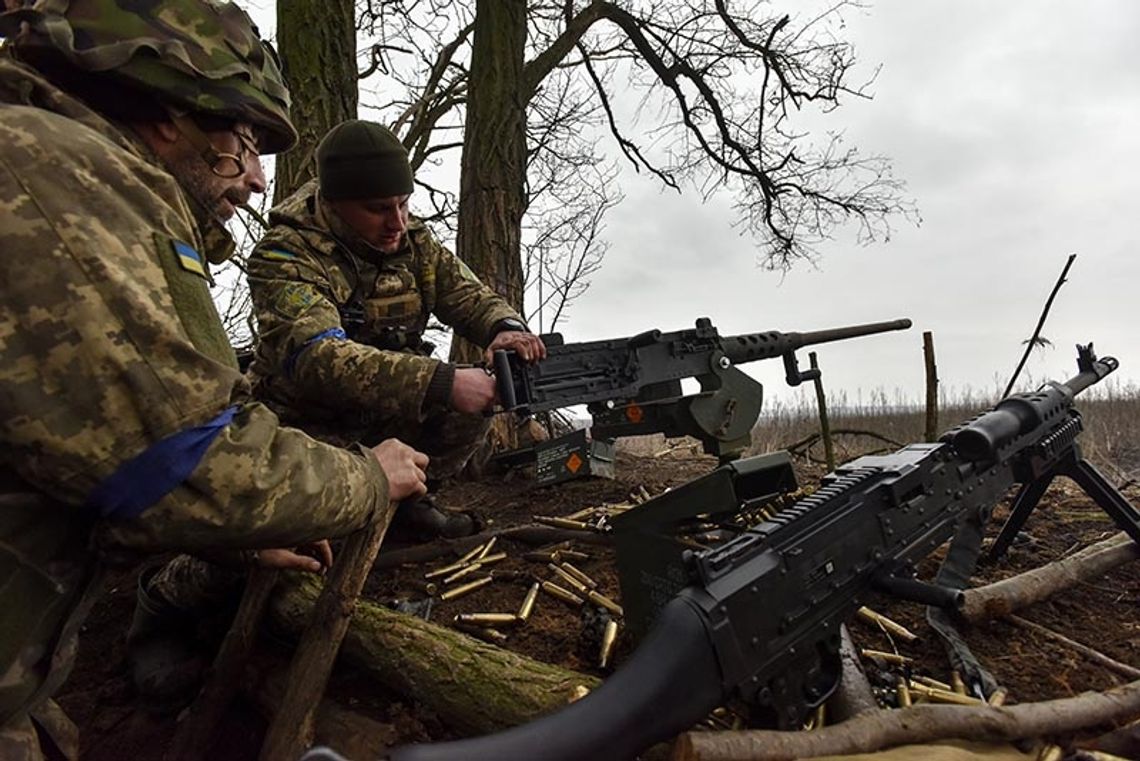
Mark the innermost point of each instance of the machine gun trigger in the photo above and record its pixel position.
(792, 372)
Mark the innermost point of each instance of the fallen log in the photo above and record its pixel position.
(1004, 597)
(921, 724)
(472, 686)
(854, 695)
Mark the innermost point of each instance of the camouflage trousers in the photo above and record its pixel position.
(449, 438)
(45, 735)
(192, 584)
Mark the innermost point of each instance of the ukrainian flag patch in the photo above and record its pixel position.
(189, 259)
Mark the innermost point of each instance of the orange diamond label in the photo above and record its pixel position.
(573, 462)
(634, 414)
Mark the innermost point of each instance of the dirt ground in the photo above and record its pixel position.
(1104, 615)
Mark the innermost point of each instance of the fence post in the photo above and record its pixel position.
(931, 386)
(824, 425)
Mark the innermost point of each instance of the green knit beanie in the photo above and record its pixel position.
(359, 159)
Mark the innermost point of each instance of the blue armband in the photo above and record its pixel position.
(291, 360)
(139, 483)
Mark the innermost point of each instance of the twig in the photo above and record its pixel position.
(1094, 655)
(1040, 324)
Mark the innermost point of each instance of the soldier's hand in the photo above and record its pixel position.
(404, 467)
(315, 557)
(528, 346)
(472, 391)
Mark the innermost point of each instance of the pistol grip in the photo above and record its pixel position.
(504, 379)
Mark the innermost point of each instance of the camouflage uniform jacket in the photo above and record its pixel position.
(311, 271)
(110, 346)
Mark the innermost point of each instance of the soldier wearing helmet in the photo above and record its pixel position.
(343, 284)
(128, 133)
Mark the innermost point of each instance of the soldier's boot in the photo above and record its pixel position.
(420, 519)
(165, 665)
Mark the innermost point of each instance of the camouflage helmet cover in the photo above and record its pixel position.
(201, 55)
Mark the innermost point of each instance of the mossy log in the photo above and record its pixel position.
(473, 686)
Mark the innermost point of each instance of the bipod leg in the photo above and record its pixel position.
(1106, 496)
(1027, 498)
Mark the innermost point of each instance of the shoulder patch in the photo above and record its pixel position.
(467, 272)
(278, 255)
(187, 258)
(293, 300)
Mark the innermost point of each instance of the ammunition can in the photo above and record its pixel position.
(464, 589)
(528, 602)
(609, 636)
(562, 594)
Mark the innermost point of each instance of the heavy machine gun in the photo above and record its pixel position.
(757, 618)
(632, 385)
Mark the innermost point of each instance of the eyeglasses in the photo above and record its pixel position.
(230, 166)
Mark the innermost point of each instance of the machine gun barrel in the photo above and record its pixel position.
(755, 346)
(983, 438)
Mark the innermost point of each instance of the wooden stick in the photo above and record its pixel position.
(195, 731)
(824, 424)
(854, 694)
(931, 386)
(1093, 655)
(291, 731)
(921, 724)
(1003, 597)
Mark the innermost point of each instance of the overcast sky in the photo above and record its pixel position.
(1014, 125)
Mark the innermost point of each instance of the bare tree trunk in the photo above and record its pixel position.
(317, 43)
(920, 724)
(472, 686)
(1003, 597)
(493, 173)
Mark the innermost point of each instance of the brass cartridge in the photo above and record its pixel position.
(888, 657)
(486, 619)
(998, 697)
(562, 594)
(579, 575)
(957, 683)
(528, 602)
(609, 636)
(879, 619)
(486, 548)
(573, 583)
(599, 599)
(464, 589)
(547, 520)
(903, 693)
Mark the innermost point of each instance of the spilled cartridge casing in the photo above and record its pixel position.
(609, 636)
(528, 602)
(581, 576)
(486, 619)
(600, 599)
(464, 589)
(562, 594)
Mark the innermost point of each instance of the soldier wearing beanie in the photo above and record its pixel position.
(343, 285)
